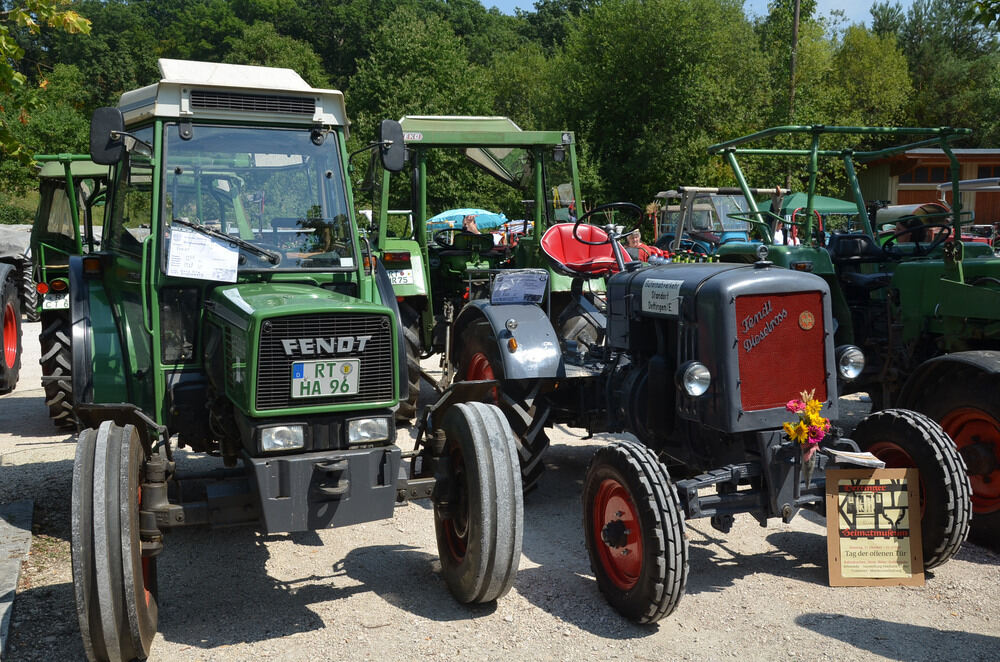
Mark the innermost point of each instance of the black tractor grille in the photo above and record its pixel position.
(274, 367)
(252, 103)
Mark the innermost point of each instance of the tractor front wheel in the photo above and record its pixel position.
(411, 333)
(10, 333)
(634, 530)
(114, 584)
(904, 439)
(478, 511)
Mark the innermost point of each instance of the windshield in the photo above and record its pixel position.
(275, 189)
(735, 205)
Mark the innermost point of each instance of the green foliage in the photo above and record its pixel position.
(260, 44)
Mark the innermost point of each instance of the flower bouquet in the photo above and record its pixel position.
(809, 430)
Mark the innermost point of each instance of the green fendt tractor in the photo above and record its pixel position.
(923, 305)
(72, 190)
(435, 271)
(234, 309)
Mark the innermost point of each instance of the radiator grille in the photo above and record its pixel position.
(252, 103)
(781, 344)
(274, 367)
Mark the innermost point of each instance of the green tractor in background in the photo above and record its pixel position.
(72, 193)
(235, 309)
(922, 305)
(437, 270)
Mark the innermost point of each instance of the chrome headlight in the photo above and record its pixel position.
(367, 430)
(850, 361)
(694, 378)
(282, 438)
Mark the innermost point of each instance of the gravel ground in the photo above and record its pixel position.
(374, 591)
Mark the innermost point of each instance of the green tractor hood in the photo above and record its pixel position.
(260, 335)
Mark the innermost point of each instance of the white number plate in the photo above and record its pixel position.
(55, 301)
(401, 277)
(316, 379)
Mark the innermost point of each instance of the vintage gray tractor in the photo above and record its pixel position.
(698, 361)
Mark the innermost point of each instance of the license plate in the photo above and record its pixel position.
(317, 379)
(55, 301)
(401, 277)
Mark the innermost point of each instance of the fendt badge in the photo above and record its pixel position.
(327, 346)
(750, 323)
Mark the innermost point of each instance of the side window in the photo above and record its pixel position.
(60, 220)
(133, 207)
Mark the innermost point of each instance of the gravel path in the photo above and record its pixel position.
(373, 591)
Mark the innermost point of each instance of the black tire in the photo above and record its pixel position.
(647, 523)
(57, 365)
(903, 438)
(29, 293)
(479, 514)
(968, 408)
(115, 586)
(10, 333)
(480, 359)
(411, 332)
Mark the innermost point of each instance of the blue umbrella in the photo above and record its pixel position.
(485, 220)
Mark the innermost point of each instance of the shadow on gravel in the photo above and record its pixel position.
(27, 416)
(258, 607)
(49, 485)
(42, 623)
(900, 641)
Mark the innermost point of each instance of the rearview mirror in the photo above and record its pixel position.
(390, 145)
(106, 145)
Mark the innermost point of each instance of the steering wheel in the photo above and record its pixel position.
(939, 239)
(439, 236)
(627, 207)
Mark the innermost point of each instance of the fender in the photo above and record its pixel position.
(98, 360)
(538, 353)
(389, 301)
(987, 361)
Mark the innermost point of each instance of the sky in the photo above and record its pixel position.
(856, 10)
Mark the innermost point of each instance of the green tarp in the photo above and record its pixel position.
(823, 204)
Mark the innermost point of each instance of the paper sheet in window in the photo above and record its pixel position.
(194, 255)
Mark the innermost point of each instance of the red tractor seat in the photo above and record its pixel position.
(575, 258)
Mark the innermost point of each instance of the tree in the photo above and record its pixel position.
(871, 79)
(648, 86)
(26, 20)
(260, 44)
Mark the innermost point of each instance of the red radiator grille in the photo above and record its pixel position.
(781, 348)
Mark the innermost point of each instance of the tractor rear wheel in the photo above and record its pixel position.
(479, 514)
(57, 365)
(114, 584)
(634, 530)
(29, 293)
(10, 333)
(479, 360)
(411, 333)
(903, 439)
(968, 408)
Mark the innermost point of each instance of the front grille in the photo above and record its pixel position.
(274, 367)
(252, 103)
(781, 345)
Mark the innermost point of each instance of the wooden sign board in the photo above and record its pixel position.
(873, 527)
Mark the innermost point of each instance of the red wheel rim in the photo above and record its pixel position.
(614, 516)
(896, 457)
(9, 335)
(479, 368)
(456, 527)
(977, 435)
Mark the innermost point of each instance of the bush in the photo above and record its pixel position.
(13, 214)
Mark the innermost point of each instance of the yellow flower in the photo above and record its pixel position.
(798, 432)
(813, 407)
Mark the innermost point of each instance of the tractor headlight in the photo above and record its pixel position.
(850, 361)
(694, 378)
(282, 438)
(367, 430)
